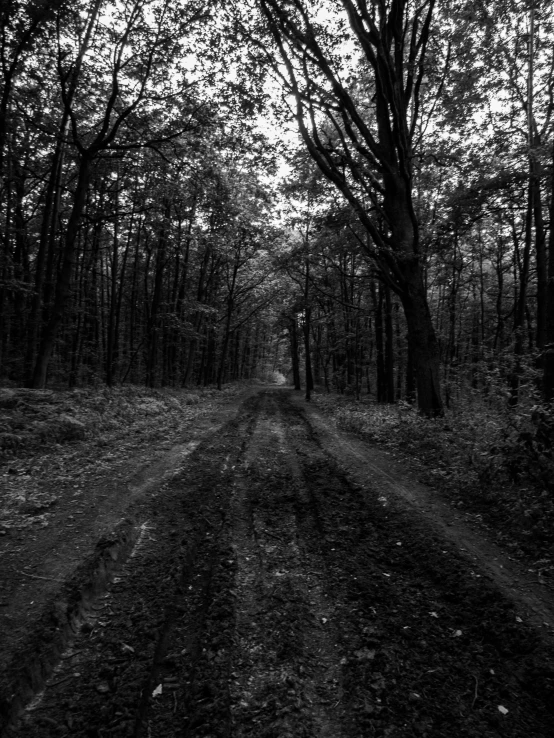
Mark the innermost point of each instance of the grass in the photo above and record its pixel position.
(494, 461)
(31, 420)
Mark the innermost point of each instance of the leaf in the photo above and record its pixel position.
(365, 654)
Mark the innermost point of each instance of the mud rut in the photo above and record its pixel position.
(269, 596)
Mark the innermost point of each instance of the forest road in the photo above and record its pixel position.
(288, 582)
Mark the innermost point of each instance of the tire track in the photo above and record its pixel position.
(272, 597)
(287, 664)
(153, 617)
(420, 629)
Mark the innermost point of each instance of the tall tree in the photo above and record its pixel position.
(359, 119)
(140, 53)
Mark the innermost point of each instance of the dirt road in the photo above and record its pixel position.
(286, 581)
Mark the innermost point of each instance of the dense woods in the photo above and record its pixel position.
(358, 195)
(200, 199)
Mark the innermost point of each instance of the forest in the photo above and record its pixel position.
(358, 196)
(277, 368)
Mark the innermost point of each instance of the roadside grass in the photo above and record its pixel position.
(35, 419)
(491, 461)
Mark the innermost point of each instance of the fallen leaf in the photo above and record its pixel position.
(365, 654)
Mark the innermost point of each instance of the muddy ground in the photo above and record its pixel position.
(267, 576)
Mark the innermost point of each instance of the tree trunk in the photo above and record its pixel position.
(63, 285)
(308, 357)
(293, 331)
(422, 341)
(389, 347)
(548, 355)
(153, 323)
(380, 357)
(48, 224)
(521, 302)
(111, 345)
(307, 316)
(541, 258)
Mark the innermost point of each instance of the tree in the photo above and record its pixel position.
(359, 120)
(140, 51)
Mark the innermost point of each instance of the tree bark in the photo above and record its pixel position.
(521, 301)
(63, 285)
(540, 256)
(548, 354)
(307, 328)
(153, 322)
(225, 346)
(111, 339)
(423, 344)
(47, 225)
(380, 355)
(293, 331)
(389, 347)
(382, 139)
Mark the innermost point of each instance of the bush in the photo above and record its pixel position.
(526, 450)
(497, 462)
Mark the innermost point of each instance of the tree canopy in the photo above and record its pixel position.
(356, 194)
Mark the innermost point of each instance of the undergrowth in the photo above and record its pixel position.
(31, 419)
(495, 462)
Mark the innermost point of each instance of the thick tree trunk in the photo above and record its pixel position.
(63, 285)
(384, 138)
(423, 344)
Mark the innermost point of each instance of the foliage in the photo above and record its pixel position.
(525, 452)
(493, 462)
(37, 420)
(178, 260)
